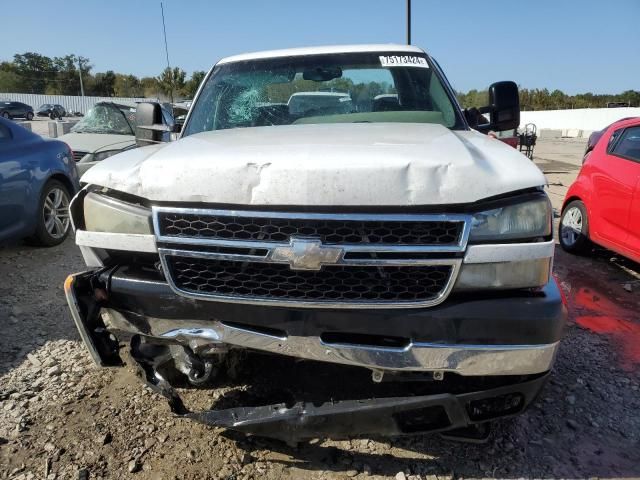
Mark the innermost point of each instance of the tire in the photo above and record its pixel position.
(29, 116)
(6, 115)
(54, 223)
(52, 116)
(573, 230)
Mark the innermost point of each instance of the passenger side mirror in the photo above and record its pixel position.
(149, 126)
(503, 109)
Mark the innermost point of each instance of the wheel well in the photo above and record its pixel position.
(569, 200)
(64, 180)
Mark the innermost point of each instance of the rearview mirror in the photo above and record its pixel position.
(149, 126)
(322, 74)
(503, 109)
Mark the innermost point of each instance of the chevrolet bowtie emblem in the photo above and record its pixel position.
(306, 254)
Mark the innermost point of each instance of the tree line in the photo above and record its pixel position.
(542, 99)
(35, 73)
(31, 72)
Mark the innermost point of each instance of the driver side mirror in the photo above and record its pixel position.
(503, 109)
(149, 126)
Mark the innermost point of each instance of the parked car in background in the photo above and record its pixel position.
(38, 178)
(16, 110)
(52, 111)
(319, 103)
(603, 204)
(107, 128)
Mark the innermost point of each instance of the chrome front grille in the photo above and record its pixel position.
(334, 231)
(333, 283)
(310, 259)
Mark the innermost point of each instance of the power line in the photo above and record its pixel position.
(408, 22)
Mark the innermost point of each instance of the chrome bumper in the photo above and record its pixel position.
(461, 359)
(96, 322)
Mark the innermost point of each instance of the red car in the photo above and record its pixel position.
(603, 204)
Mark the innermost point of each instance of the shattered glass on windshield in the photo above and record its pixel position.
(107, 118)
(340, 88)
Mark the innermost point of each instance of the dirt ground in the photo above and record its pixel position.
(63, 418)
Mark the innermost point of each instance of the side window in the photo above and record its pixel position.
(628, 144)
(612, 140)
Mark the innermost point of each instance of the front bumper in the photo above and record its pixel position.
(483, 336)
(498, 379)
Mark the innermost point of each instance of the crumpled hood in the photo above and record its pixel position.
(383, 164)
(93, 142)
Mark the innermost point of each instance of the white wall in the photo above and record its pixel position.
(70, 103)
(586, 119)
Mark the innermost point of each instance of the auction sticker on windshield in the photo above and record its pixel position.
(403, 61)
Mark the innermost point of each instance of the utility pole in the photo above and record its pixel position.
(80, 73)
(166, 50)
(408, 22)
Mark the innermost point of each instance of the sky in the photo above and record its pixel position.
(572, 45)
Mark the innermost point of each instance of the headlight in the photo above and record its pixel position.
(524, 220)
(98, 156)
(106, 214)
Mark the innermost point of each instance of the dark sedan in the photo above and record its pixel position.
(16, 110)
(52, 111)
(38, 178)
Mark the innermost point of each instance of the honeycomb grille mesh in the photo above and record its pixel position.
(188, 225)
(335, 283)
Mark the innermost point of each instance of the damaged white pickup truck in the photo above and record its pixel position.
(332, 209)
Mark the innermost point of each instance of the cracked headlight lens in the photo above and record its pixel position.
(107, 214)
(526, 221)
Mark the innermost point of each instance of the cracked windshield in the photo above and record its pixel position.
(108, 118)
(352, 88)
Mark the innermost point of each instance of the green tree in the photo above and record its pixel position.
(631, 96)
(9, 79)
(191, 86)
(34, 70)
(104, 84)
(127, 86)
(67, 77)
(171, 81)
(149, 87)
(558, 100)
(473, 98)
